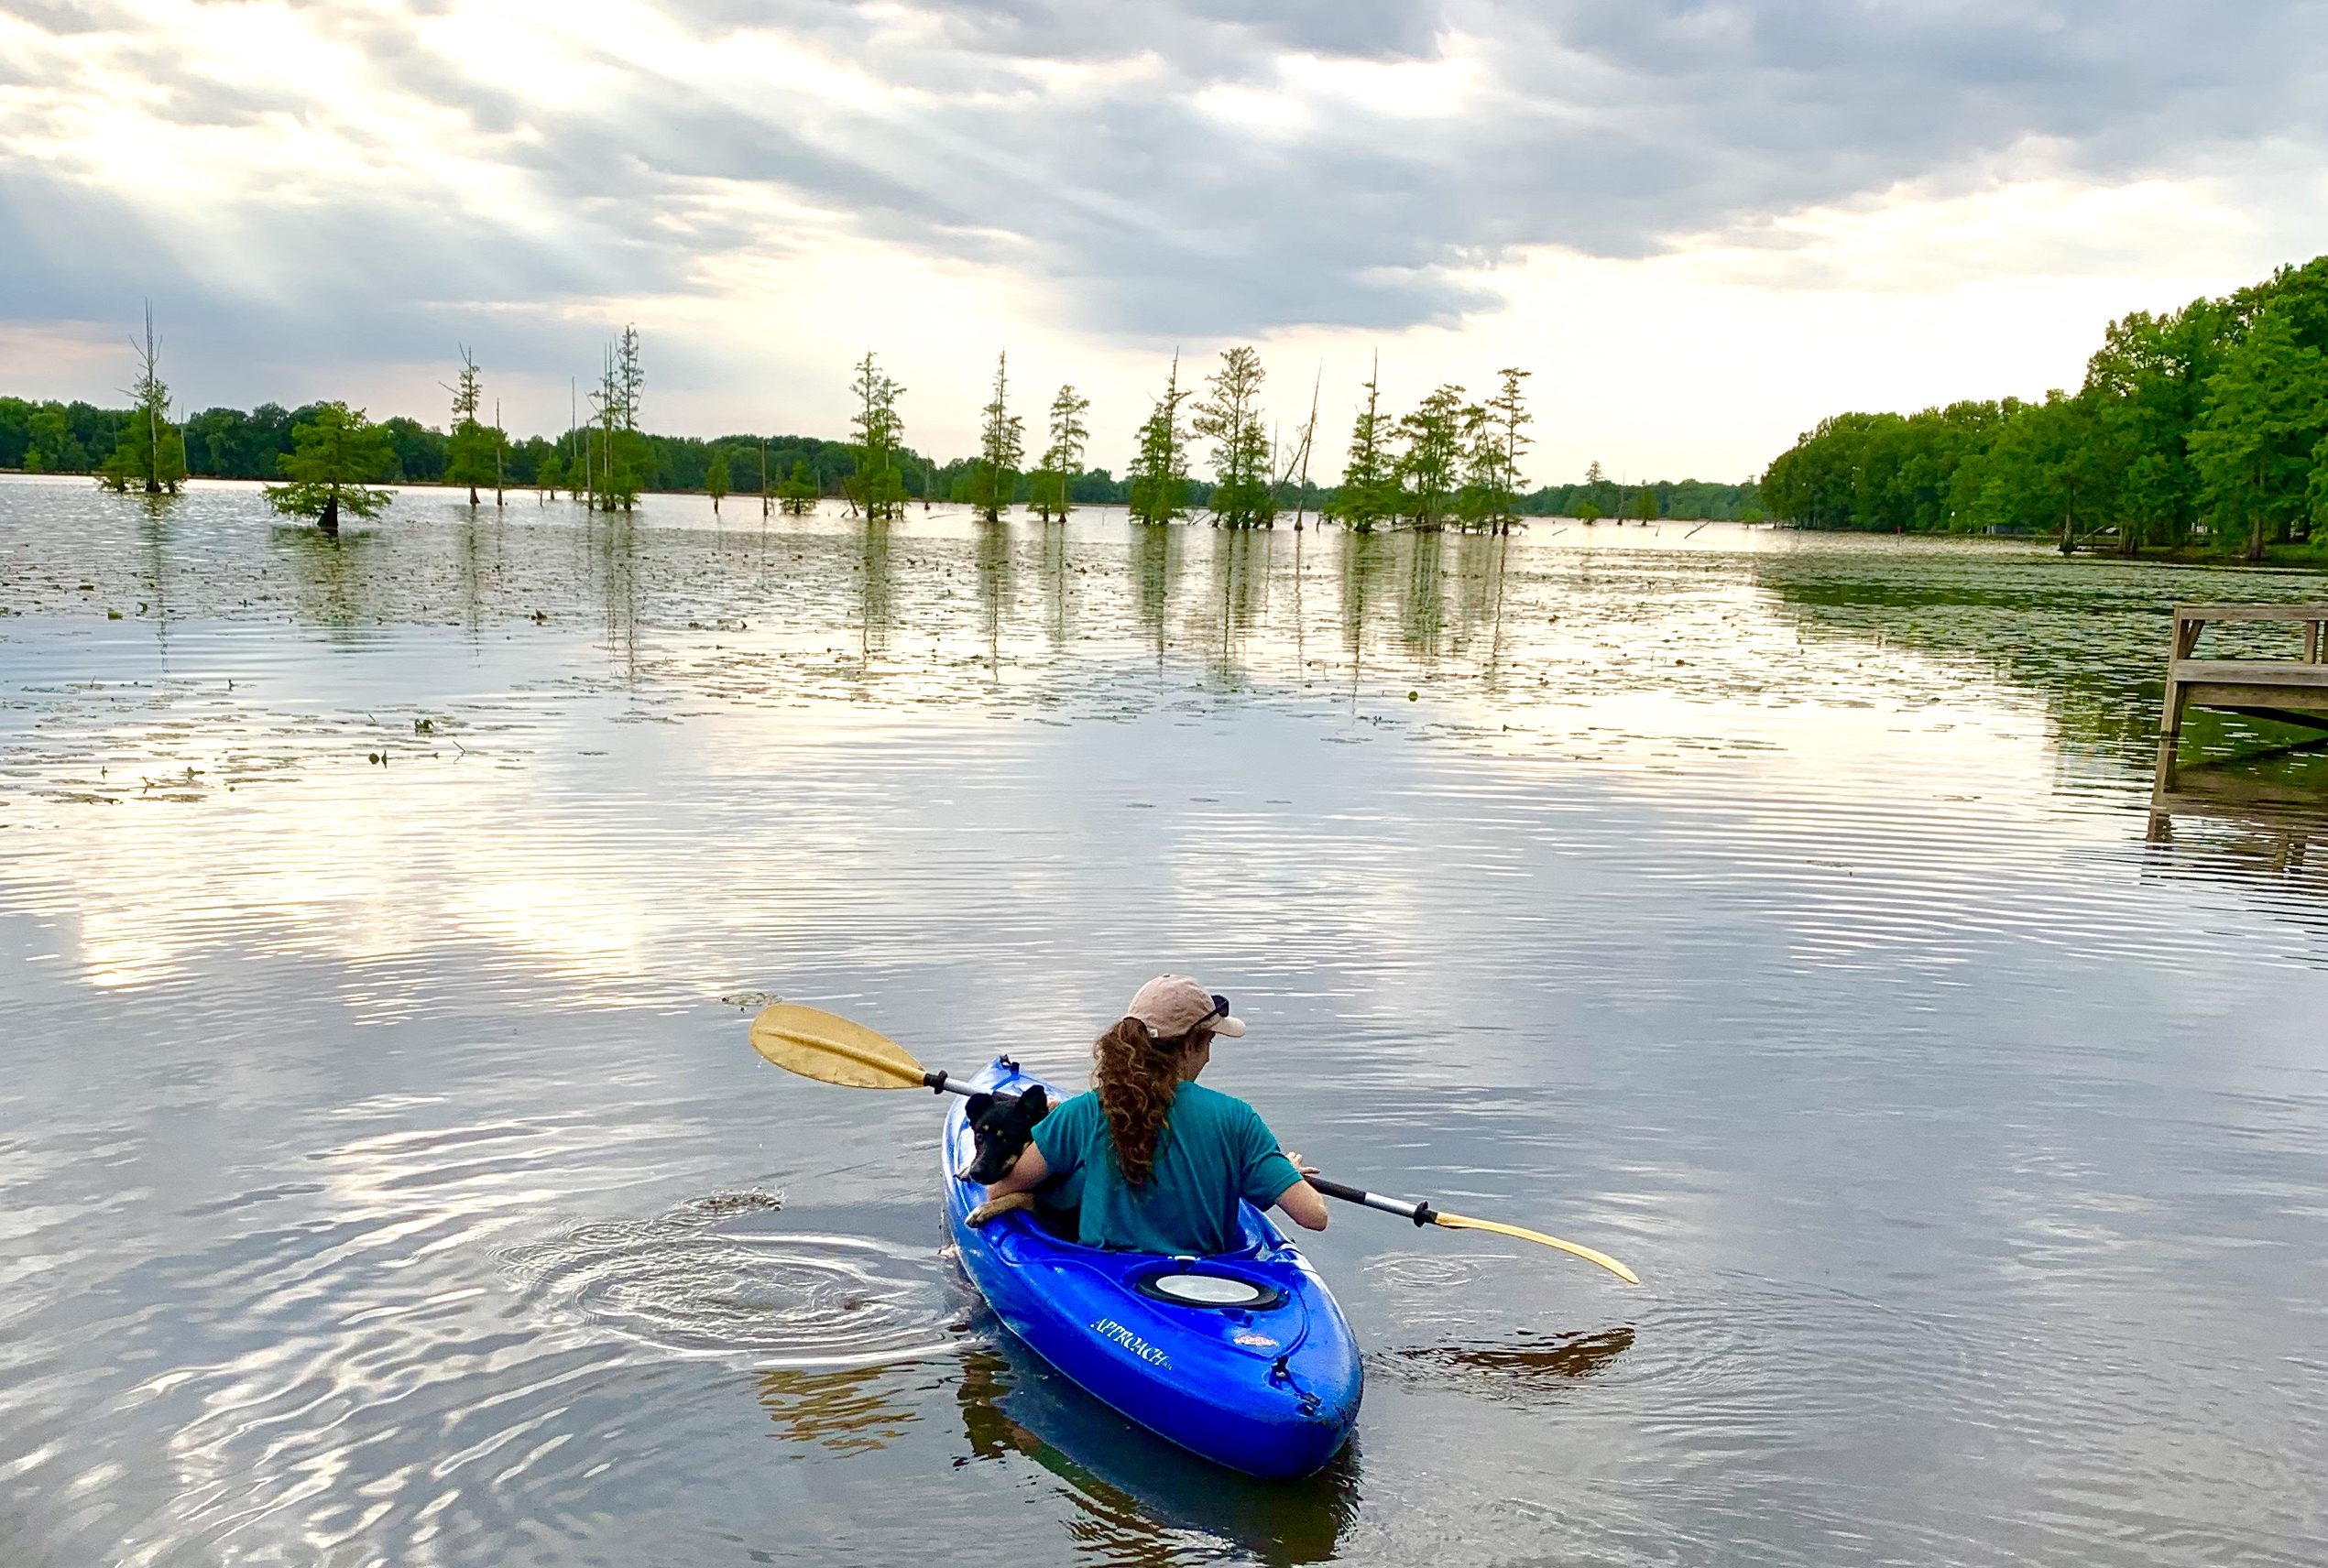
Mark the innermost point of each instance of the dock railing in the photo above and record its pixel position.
(2291, 692)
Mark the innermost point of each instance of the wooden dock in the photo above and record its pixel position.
(2288, 690)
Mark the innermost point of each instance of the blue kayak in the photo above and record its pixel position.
(1243, 1358)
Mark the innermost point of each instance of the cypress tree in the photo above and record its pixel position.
(1507, 417)
(469, 454)
(1001, 448)
(1231, 417)
(1368, 494)
(879, 431)
(336, 454)
(1158, 477)
(152, 451)
(1063, 459)
(797, 495)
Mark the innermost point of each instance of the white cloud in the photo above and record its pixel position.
(1704, 225)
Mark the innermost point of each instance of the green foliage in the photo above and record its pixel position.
(1694, 499)
(2147, 386)
(1001, 448)
(878, 484)
(1494, 437)
(150, 453)
(333, 456)
(1369, 491)
(422, 453)
(1429, 466)
(1158, 477)
(1641, 506)
(2042, 471)
(2204, 422)
(619, 457)
(468, 457)
(1230, 416)
(1063, 459)
(56, 440)
(2317, 491)
(2266, 421)
(470, 451)
(235, 444)
(715, 479)
(797, 495)
(231, 444)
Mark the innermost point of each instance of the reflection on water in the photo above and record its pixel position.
(846, 1410)
(1520, 1371)
(1137, 1499)
(874, 612)
(1155, 568)
(385, 1179)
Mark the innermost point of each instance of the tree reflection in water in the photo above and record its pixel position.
(1515, 1373)
(846, 1408)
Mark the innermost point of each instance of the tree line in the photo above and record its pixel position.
(1452, 461)
(2205, 424)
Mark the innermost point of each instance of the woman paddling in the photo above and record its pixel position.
(1156, 1161)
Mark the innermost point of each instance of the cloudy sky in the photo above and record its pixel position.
(1702, 225)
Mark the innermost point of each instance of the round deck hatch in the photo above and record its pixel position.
(1184, 1288)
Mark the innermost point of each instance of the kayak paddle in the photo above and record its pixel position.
(1422, 1214)
(834, 1050)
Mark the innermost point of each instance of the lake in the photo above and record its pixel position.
(388, 1179)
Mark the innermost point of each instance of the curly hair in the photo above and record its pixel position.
(1136, 1076)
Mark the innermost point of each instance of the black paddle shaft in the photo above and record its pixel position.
(938, 1083)
(1420, 1213)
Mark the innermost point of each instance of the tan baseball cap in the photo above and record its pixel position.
(1172, 1005)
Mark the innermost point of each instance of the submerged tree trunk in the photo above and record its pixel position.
(329, 520)
(473, 494)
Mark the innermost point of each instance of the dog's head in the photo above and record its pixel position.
(1002, 1126)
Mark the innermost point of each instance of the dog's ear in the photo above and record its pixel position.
(1033, 1105)
(978, 1107)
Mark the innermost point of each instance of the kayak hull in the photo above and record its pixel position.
(1271, 1388)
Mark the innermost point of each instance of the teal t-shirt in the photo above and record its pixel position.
(1214, 1150)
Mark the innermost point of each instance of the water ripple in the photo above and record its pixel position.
(712, 1278)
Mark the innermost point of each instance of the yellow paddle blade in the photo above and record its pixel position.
(832, 1049)
(1463, 1222)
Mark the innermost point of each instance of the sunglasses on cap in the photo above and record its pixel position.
(1219, 1010)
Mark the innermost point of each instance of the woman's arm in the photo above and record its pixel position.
(1303, 1204)
(1031, 1170)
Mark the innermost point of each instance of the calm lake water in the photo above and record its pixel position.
(386, 1177)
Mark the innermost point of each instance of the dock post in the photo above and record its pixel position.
(2186, 639)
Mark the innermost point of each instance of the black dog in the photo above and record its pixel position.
(1001, 1126)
